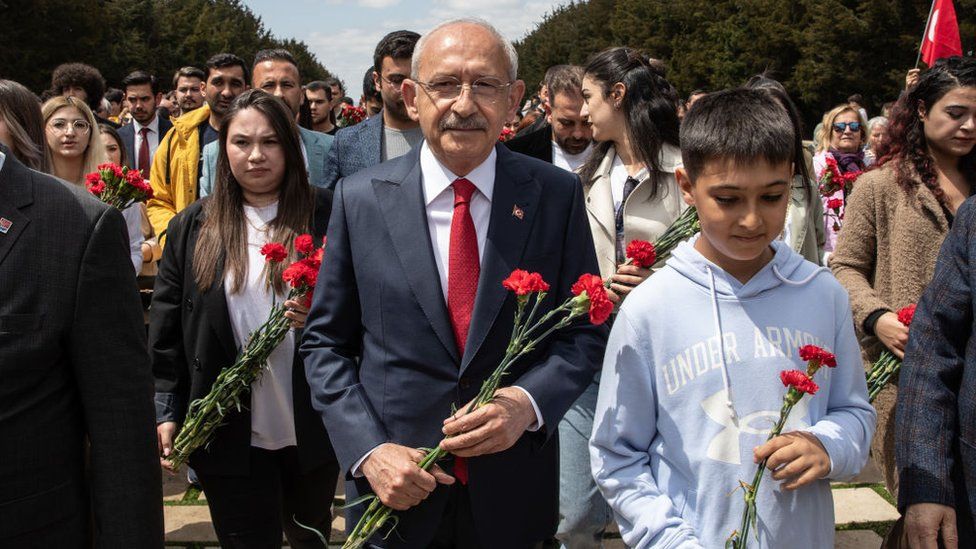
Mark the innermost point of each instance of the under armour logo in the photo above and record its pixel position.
(725, 446)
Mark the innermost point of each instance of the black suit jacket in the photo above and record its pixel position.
(191, 341)
(380, 354)
(75, 383)
(537, 144)
(128, 135)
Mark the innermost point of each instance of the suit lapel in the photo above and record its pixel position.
(16, 193)
(599, 197)
(504, 246)
(374, 142)
(402, 202)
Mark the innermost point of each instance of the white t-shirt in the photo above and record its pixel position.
(272, 408)
(569, 162)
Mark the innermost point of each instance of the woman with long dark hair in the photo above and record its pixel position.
(22, 125)
(631, 193)
(271, 464)
(899, 213)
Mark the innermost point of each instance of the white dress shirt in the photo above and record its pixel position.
(566, 161)
(439, 202)
(152, 136)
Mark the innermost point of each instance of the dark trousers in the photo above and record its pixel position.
(252, 511)
(456, 530)
(73, 532)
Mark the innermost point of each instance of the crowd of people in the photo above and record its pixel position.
(453, 180)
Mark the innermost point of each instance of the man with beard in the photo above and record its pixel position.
(379, 138)
(188, 85)
(276, 72)
(567, 138)
(175, 170)
(141, 138)
(319, 97)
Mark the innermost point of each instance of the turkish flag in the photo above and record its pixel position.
(942, 35)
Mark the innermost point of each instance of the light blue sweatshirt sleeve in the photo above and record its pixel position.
(847, 428)
(624, 426)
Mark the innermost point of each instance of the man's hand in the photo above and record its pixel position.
(493, 428)
(165, 434)
(911, 78)
(797, 458)
(396, 479)
(624, 280)
(926, 523)
(892, 333)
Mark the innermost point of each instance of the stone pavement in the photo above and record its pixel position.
(862, 511)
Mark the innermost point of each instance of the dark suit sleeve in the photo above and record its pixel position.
(166, 348)
(332, 345)
(331, 174)
(576, 352)
(108, 354)
(927, 424)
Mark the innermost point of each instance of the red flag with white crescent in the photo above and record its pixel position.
(942, 34)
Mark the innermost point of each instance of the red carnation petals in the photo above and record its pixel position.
(906, 315)
(304, 244)
(600, 305)
(523, 282)
(274, 252)
(812, 352)
(641, 253)
(798, 380)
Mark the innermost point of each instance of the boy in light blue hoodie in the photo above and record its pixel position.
(690, 385)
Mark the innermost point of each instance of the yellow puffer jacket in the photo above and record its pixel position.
(174, 173)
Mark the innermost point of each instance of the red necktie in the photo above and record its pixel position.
(463, 270)
(143, 160)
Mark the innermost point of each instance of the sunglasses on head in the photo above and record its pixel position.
(839, 127)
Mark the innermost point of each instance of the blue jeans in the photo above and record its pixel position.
(583, 513)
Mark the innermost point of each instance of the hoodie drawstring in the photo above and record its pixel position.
(721, 346)
(785, 280)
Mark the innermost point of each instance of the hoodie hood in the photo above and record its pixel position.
(785, 268)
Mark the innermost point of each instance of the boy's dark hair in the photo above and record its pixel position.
(776, 89)
(369, 87)
(398, 45)
(222, 60)
(279, 54)
(114, 95)
(740, 125)
(84, 76)
(139, 78)
(189, 72)
(318, 85)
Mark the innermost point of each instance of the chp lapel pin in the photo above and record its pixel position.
(517, 212)
(5, 225)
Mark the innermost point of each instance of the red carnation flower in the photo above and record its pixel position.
(93, 178)
(812, 352)
(96, 188)
(830, 161)
(600, 306)
(114, 168)
(304, 244)
(798, 380)
(641, 253)
(301, 273)
(274, 252)
(835, 203)
(906, 315)
(523, 282)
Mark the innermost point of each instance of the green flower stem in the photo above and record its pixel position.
(881, 373)
(233, 384)
(377, 514)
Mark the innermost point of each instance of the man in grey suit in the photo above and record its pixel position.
(80, 466)
(276, 72)
(384, 137)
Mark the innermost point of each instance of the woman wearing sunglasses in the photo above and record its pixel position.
(842, 138)
(899, 214)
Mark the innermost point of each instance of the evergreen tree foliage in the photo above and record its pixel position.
(822, 50)
(119, 36)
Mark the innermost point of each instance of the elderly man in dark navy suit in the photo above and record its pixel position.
(410, 316)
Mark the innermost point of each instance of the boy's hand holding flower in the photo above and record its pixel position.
(798, 458)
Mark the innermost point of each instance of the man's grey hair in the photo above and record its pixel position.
(506, 45)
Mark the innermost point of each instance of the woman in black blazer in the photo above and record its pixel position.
(271, 463)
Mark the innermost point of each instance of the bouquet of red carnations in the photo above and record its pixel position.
(831, 180)
(350, 116)
(529, 330)
(798, 383)
(507, 134)
(118, 186)
(887, 364)
(233, 384)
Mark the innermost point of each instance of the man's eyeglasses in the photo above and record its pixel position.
(839, 127)
(60, 125)
(482, 90)
(395, 81)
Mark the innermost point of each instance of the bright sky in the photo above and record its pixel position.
(344, 33)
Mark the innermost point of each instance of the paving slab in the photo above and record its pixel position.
(858, 505)
(857, 539)
(188, 523)
(174, 486)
